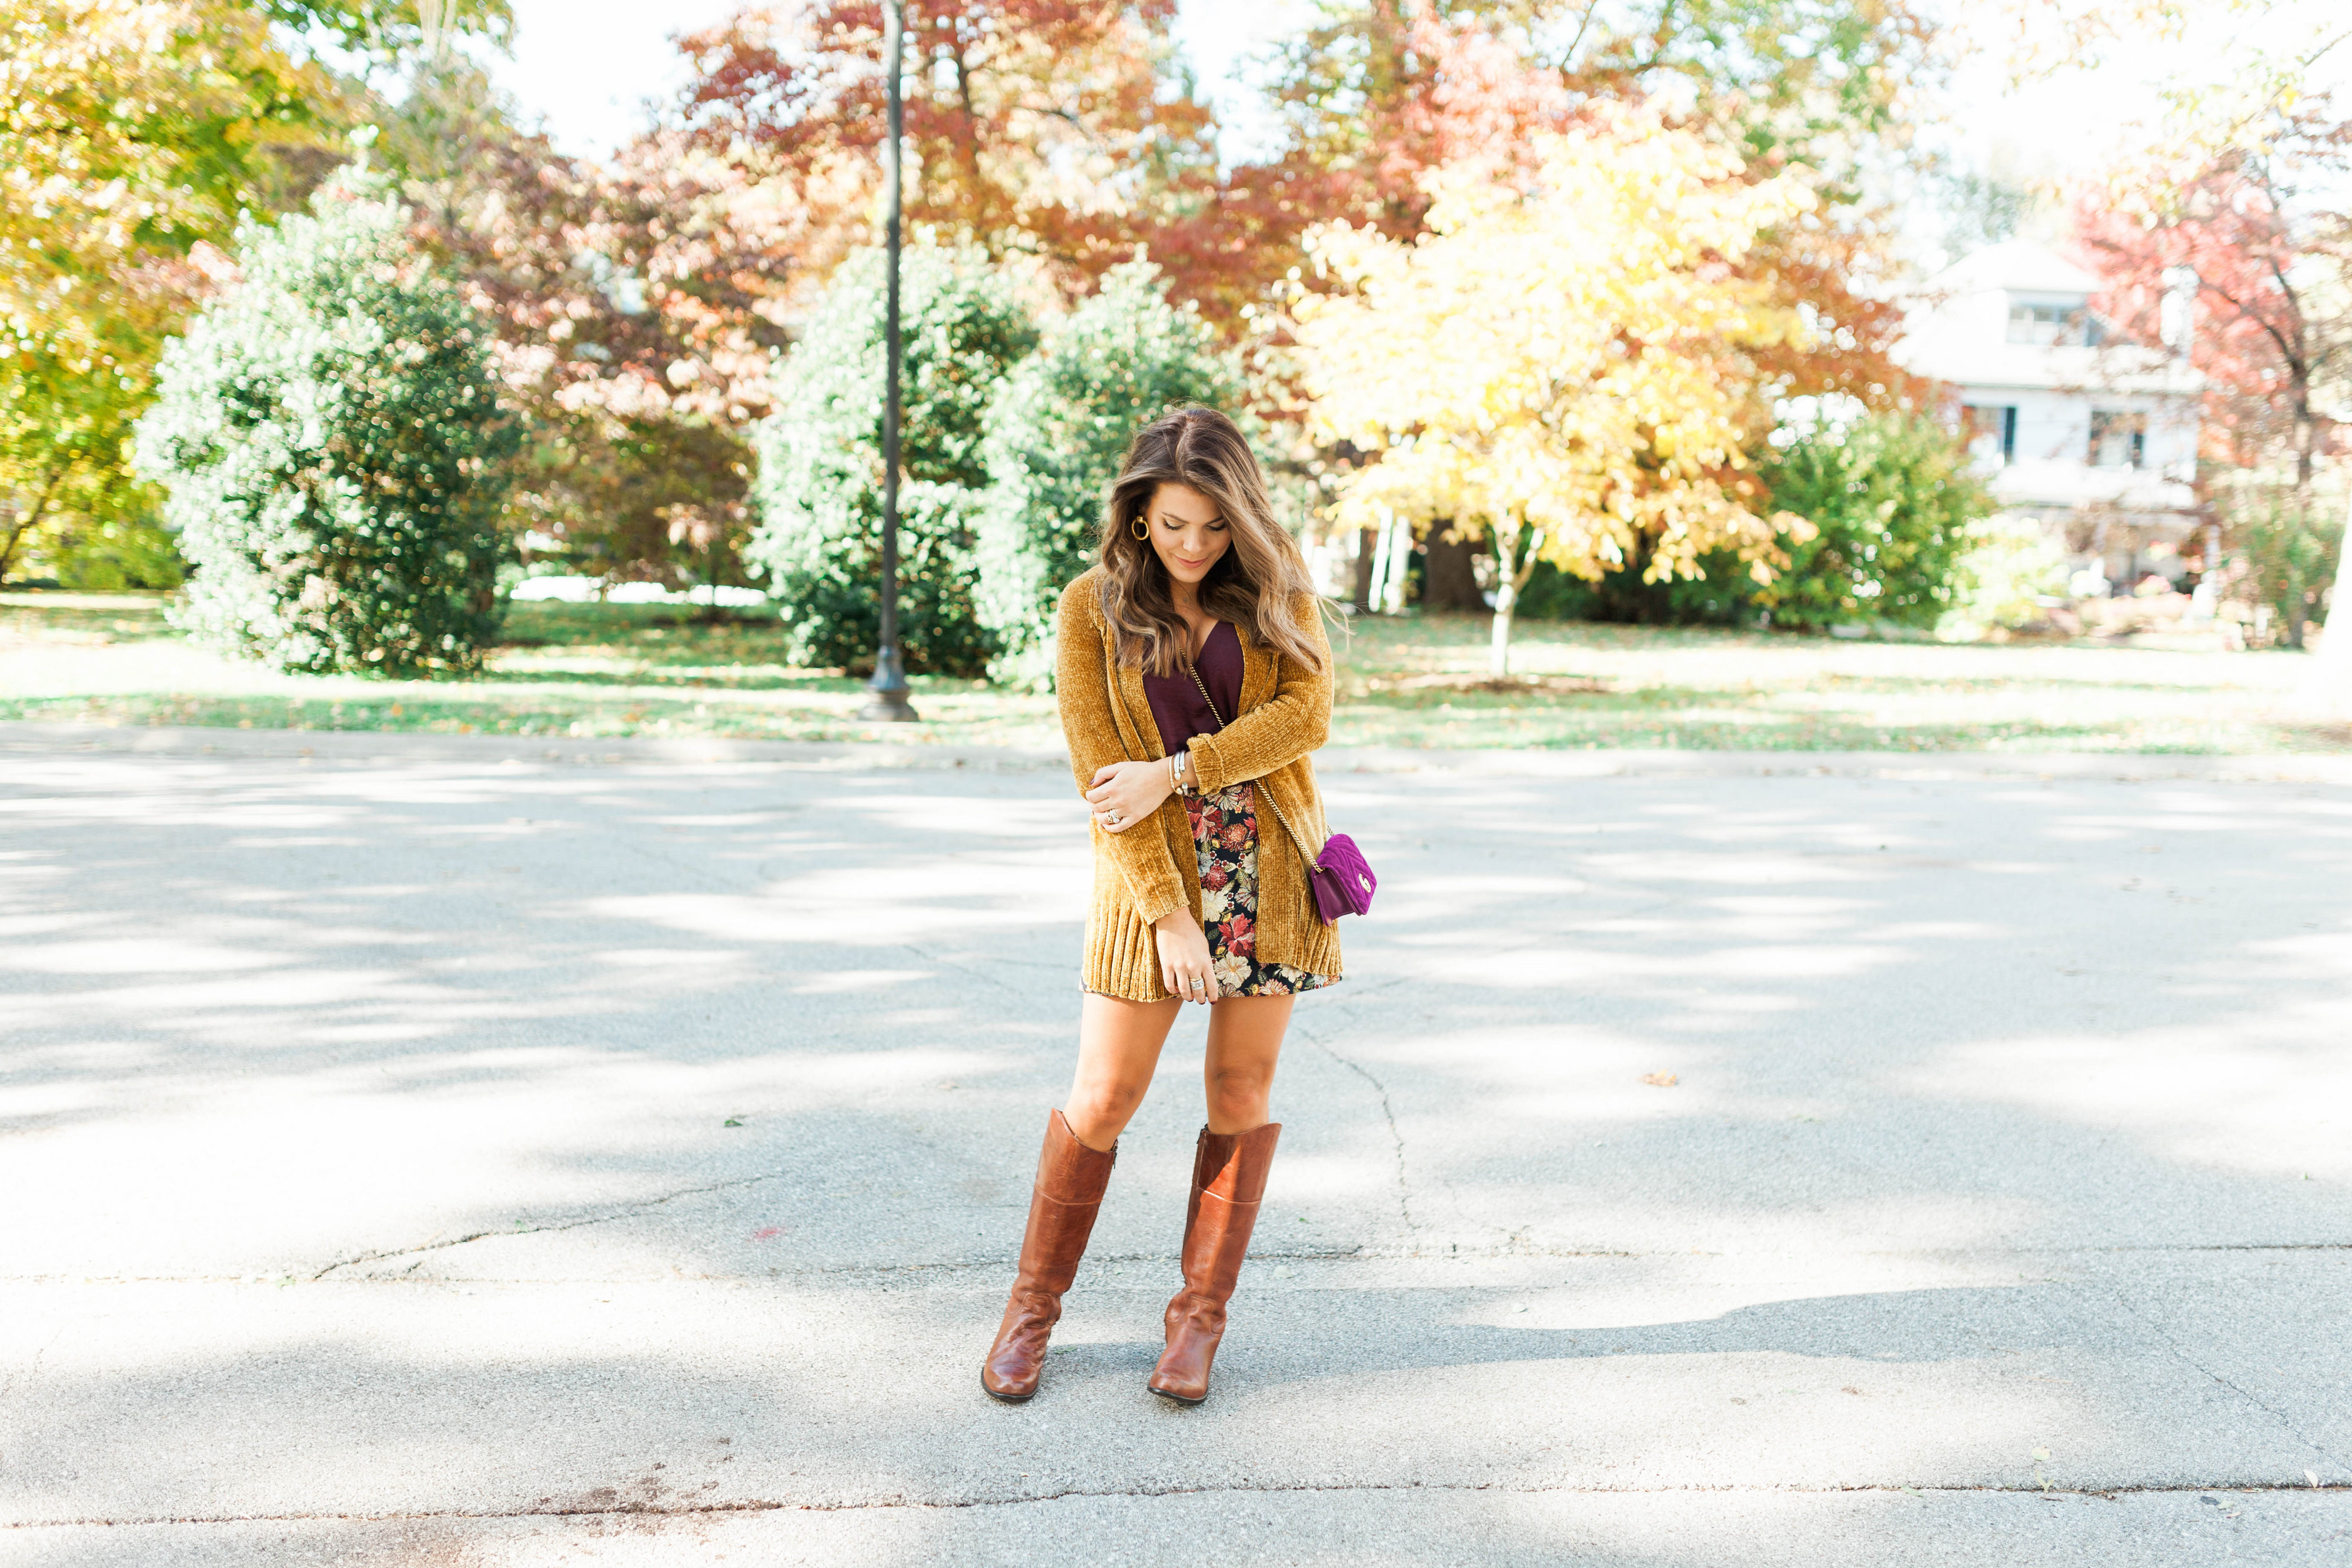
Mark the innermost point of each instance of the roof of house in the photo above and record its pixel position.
(2017, 266)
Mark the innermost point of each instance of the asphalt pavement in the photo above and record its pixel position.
(459, 1151)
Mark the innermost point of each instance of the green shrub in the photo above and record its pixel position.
(2009, 566)
(1056, 438)
(2289, 546)
(1724, 596)
(330, 439)
(1892, 500)
(819, 490)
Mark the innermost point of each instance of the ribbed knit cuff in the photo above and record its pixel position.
(1154, 916)
(1208, 767)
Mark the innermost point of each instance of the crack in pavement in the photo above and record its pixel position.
(2218, 1247)
(821, 1272)
(31, 1370)
(2174, 1345)
(977, 973)
(1404, 1186)
(1358, 1254)
(623, 1212)
(768, 1505)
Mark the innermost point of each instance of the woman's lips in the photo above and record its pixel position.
(1190, 565)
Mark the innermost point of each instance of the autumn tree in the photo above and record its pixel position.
(1378, 90)
(2272, 328)
(1571, 367)
(1378, 93)
(1047, 128)
(133, 135)
(2258, 244)
(129, 135)
(2240, 176)
(638, 305)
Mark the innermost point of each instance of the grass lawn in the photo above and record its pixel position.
(611, 670)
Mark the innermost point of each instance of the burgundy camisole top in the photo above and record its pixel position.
(1176, 703)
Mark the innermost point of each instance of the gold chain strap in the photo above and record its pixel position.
(1314, 861)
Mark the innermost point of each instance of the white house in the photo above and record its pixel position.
(2097, 440)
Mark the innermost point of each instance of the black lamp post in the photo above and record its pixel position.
(889, 685)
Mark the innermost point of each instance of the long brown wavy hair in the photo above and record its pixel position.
(1253, 583)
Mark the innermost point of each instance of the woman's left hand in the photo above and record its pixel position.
(1124, 793)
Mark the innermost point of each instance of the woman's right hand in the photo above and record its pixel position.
(1184, 967)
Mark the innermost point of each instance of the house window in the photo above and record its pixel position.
(2069, 325)
(1992, 433)
(2118, 440)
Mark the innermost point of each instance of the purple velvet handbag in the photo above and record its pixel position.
(1340, 878)
(1342, 881)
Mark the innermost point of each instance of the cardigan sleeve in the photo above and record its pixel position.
(1290, 725)
(1081, 687)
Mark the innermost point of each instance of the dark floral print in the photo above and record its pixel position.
(1224, 831)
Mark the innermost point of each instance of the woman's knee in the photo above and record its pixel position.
(1238, 1092)
(1111, 1099)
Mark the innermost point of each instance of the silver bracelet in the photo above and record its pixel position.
(1176, 772)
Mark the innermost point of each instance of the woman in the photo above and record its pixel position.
(1194, 680)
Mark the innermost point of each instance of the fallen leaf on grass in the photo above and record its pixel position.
(1661, 1080)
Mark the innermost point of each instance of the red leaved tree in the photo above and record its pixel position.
(2262, 231)
(1046, 128)
(638, 305)
(2268, 331)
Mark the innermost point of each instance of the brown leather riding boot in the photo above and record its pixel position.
(1228, 1181)
(1070, 1181)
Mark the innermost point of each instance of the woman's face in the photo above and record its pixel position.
(1187, 532)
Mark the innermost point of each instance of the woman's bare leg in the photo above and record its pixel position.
(1244, 1040)
(1119, 1047)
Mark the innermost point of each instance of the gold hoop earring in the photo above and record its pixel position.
(1136, 526)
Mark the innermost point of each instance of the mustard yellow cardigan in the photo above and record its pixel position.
(1151, 868)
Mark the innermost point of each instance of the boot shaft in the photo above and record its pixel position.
(1229, 1172)
(1062, 1206)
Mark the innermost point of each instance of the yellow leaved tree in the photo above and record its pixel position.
(1565, 363)
(131, 131)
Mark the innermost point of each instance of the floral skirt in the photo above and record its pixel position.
(1225, 831)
